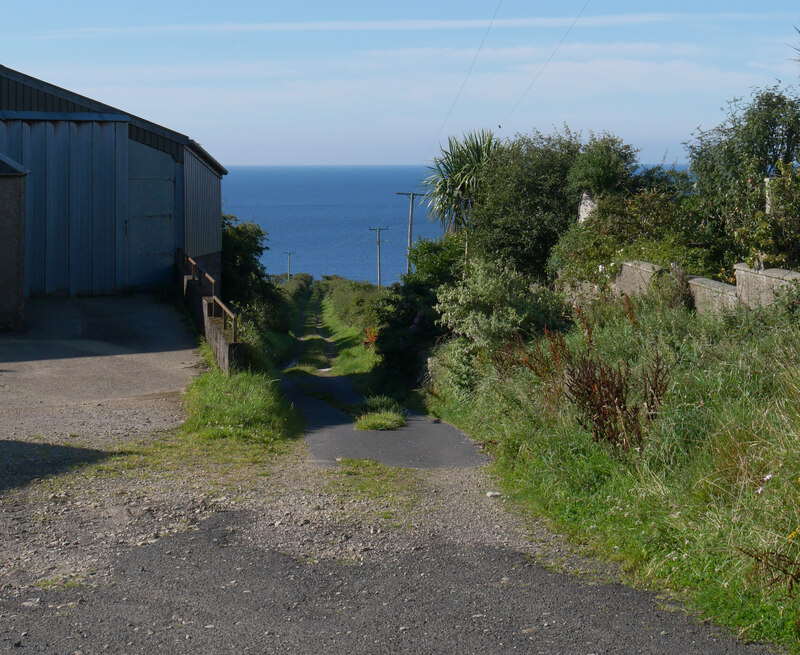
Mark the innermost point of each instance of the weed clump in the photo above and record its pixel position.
(382, 413)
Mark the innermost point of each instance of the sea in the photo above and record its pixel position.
(323, 215)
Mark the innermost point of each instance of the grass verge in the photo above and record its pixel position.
(708, 502)
(370, 479)
(352, 357)
(246, 406)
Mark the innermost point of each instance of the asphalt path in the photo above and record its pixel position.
(211, 591)
(330, 434)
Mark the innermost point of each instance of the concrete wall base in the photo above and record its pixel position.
(229, 356)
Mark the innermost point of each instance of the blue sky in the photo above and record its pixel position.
(313, 82)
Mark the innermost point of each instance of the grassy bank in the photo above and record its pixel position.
(690, 478)
(248, 407)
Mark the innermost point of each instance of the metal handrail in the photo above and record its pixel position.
(199, 274)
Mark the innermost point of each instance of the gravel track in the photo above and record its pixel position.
(103, 550)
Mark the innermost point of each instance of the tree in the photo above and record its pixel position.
(753, 140)
(245, 282)
(525, 202)
(757, 139)
(244, 277)
(454, 182)
(606, 165)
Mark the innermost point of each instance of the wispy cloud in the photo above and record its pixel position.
(406, 25)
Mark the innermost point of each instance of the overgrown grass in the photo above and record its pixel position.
(380, 413)
(247, 406)
(715, 484)
(352, 356)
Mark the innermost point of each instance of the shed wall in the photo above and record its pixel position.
(152, 212)
(203, 206)
(12, 246)
(75, 203)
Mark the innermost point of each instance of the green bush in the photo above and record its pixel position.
(354, 303)
(496, 303)
(407, 318)
(757, 139)
(245, 283)
(605, 165)
(298, 288)
(654, 225)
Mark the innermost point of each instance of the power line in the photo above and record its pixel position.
(549, 59)
(466, 77)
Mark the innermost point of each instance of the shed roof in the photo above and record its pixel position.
(21, 94)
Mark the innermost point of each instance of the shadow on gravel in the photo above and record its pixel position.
(22, 462)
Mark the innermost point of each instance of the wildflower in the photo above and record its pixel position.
(794, 534)
(601, 268)
(768, 477)
(760, 490)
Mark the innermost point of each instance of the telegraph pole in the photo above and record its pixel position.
(378, 241)
(289, 263)
(410, 224)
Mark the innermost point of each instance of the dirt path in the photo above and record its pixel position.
(153, 547)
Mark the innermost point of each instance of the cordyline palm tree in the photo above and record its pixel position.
(454, 180)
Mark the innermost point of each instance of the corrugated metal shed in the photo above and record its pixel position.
(203, 207)
(109, 196)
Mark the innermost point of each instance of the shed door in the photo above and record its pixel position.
(151, 193)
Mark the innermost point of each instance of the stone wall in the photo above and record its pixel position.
(12, 243)
(636, 277)
(753, 288)
(712, 296)
(757, 288)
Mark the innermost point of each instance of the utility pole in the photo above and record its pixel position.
(378, 241)
(410, 224)
(288, 263)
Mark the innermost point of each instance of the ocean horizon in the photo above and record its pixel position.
(323, 216)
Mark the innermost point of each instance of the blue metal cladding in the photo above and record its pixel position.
(151, 217)
(202, 206)
(76, 203)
